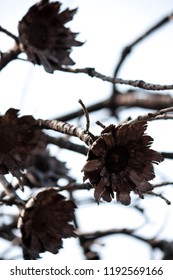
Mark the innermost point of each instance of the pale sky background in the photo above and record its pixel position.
(106, 27)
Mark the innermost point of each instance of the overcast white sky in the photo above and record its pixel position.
(106, 27)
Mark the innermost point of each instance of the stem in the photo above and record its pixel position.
(167, 155)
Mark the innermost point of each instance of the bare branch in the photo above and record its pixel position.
(147, 100)
(86, 115)
(9, 34)
(162, 184)
(92, 108)
(152, 116)
(134, 83)
(8, 189)
(7, 57)
(161, 196)
(127, 50)
(66, 129)
(66, 144)
(10, 192)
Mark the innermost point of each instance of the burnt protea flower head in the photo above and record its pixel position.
(19, 139)
(120, 161)
(45, 220)
(44, 37)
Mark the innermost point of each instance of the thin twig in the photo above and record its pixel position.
(10, 192)
(147, 100)
(162, 184)
(161, 196)
(76, 187)
(8, 189)
(91, 236)
(127, 50)
(86, 115)
(92, 108)
(66, 144)
(9, 34)
(152, 116)
(7, 57)
(164, 117)
(134, 83)
(100, 124)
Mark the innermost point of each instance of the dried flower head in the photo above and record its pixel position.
(46, 171)
(19, 139)
(120, 160)
(45, 221)
(44, 37)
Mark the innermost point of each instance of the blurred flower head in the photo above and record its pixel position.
(46, 171)
(44, 222)
(120, 161)
(19, 139)
(44, 37)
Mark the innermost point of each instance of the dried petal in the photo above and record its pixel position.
(94, 164)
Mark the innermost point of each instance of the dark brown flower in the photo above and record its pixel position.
(45, 221)
(19, 138)
(46, 171)
(44, 37)
(120, 160)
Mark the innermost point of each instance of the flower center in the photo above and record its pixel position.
(38, 35)
(117, 159)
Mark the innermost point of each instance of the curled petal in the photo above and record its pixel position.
(124, 198)
(92, 165)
